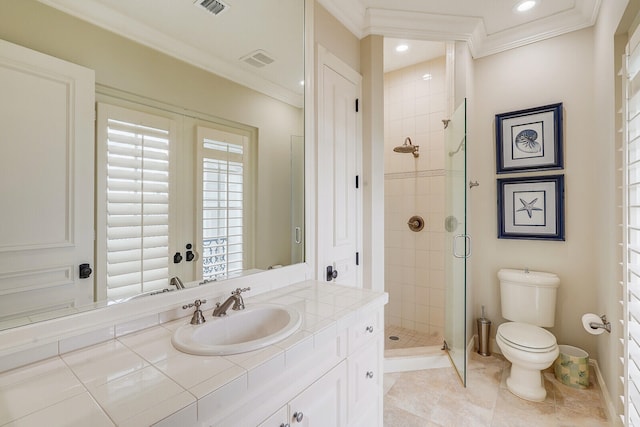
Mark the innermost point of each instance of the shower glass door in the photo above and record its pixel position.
(456, 238)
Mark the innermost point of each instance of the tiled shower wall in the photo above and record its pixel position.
(414, 261)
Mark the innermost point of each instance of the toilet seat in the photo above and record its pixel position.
(530, 338)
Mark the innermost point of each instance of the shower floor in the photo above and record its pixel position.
(408, 338)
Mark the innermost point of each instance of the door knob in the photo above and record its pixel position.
(85, 271)
(331, 273)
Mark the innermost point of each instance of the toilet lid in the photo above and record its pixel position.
(527, 337)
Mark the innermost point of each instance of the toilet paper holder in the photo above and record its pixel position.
(606, 325)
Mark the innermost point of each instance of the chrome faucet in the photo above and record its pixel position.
(175, 281)
(235, 299)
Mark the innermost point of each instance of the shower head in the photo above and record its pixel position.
(408, 147)
(404, 149)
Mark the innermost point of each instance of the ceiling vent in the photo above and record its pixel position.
(212, 6)
(258, 58)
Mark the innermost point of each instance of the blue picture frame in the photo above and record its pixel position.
(528, 140)
(531, 208)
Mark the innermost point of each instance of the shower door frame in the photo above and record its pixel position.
(457, 240)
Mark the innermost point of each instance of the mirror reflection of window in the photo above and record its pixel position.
(133, 152)
(226, 193)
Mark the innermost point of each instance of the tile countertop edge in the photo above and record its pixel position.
(368, 301)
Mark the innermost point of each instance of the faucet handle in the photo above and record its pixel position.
(197, 318)
(238, 291)
(197, 303)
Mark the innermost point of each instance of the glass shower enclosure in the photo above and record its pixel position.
(458, 244)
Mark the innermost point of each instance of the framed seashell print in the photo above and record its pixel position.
(529, 139)
(531, 208)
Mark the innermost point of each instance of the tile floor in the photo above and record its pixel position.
(435, 397)
(408, 338)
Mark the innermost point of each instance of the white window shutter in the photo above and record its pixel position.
(135, 192)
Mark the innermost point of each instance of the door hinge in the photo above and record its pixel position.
(357, 105)
(357, 258)
(357, 181)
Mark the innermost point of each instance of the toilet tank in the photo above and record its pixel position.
(528, 296)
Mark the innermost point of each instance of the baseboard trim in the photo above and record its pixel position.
(609, 407)
(493, 346)
(471, 345)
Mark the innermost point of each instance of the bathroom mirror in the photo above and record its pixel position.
(257, 47)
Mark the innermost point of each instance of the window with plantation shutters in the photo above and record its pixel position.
(631, 213)
(225, 196)
(133, 189)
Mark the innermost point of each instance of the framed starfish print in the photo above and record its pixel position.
(531, 208)
(529, 139)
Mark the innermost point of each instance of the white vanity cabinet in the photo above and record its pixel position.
(321, 404)
(350, 394)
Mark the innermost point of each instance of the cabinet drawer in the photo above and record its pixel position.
(365, 384)
(364, 330)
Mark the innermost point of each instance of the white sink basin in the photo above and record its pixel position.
(250, 329)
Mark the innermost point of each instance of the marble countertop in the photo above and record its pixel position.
(141, 379)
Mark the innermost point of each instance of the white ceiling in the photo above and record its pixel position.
(417, 51)
(216, 43)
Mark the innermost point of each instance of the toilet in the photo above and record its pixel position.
(528, 300)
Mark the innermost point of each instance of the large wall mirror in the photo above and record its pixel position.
(225, 76)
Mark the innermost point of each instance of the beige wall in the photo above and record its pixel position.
(127, 66)
(555, 70)
(335, 37)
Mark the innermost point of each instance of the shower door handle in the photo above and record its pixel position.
(467, 252)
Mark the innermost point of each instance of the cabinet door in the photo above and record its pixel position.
(365, 385)
(46, 171)
(279, 419)
(324, 403)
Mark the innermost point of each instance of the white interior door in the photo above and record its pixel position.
(339, 148)
(46, 185)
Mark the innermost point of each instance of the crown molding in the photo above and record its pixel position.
(582, 16)
(351, 14)
(120, 24)
(362, 21)
(424, 26)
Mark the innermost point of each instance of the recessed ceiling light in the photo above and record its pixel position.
(525, 5)
(402, 48)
